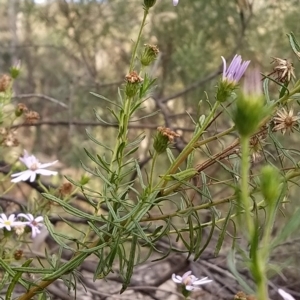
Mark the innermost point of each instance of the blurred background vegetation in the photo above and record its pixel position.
(70, 48)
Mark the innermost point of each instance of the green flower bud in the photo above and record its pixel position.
(224, 90)
(15, 70)
(84, 179)
(149, 3)
(21, 108)
(270, 183)
(250, 108)
(149, 55)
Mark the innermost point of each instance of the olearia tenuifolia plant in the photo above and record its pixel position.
(129, 215)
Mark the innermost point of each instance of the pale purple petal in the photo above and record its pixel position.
(39, 219)
(34, 231)
(176, 278)
(33, 176)
(45, 172)
(191, 288)
(22, 176)
(28, 217)
(224, 67)
(18, 174)
(236, 69)
(42, 166)
(175, 2)
(202, 281)
(285, 295)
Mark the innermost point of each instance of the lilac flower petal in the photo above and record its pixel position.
(285, 295)
(42, 166)
(176, 278)
(236, 69)
(22, 176)
(191, 288)
(34, 231)
(28, 217)
(18, 174)
(32, 176)
(224, 67)
(45, 172)
(175, 2)
(202, 281)
(39, 219)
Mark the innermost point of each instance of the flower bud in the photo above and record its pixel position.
(133, 84)
(18, 254)
(270, 184)
(250, 108)
(149, 3)
(149, 55)
(163, 138)
(20, 109)
(15, 70)
(84, 179)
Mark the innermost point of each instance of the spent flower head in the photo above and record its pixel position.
(34, 168)
(189, 282)
(34, 223)
(163, 138)
(283, 69)
(231, 76)
(133, 84)
(285, 120)
(149, 54)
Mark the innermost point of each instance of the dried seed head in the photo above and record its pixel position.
(283, 69)
(5, 82)
(133, 77)
(65, 189)
(149, 55)
(256, 147)
(163, 138)
(18, 254)
(133, 83)
(31, 117)
(285, 120)
(170, 134)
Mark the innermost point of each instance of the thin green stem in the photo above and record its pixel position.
(146, 11)
(155, 156)
(190, 146)
(245, 167)
(214, 137)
